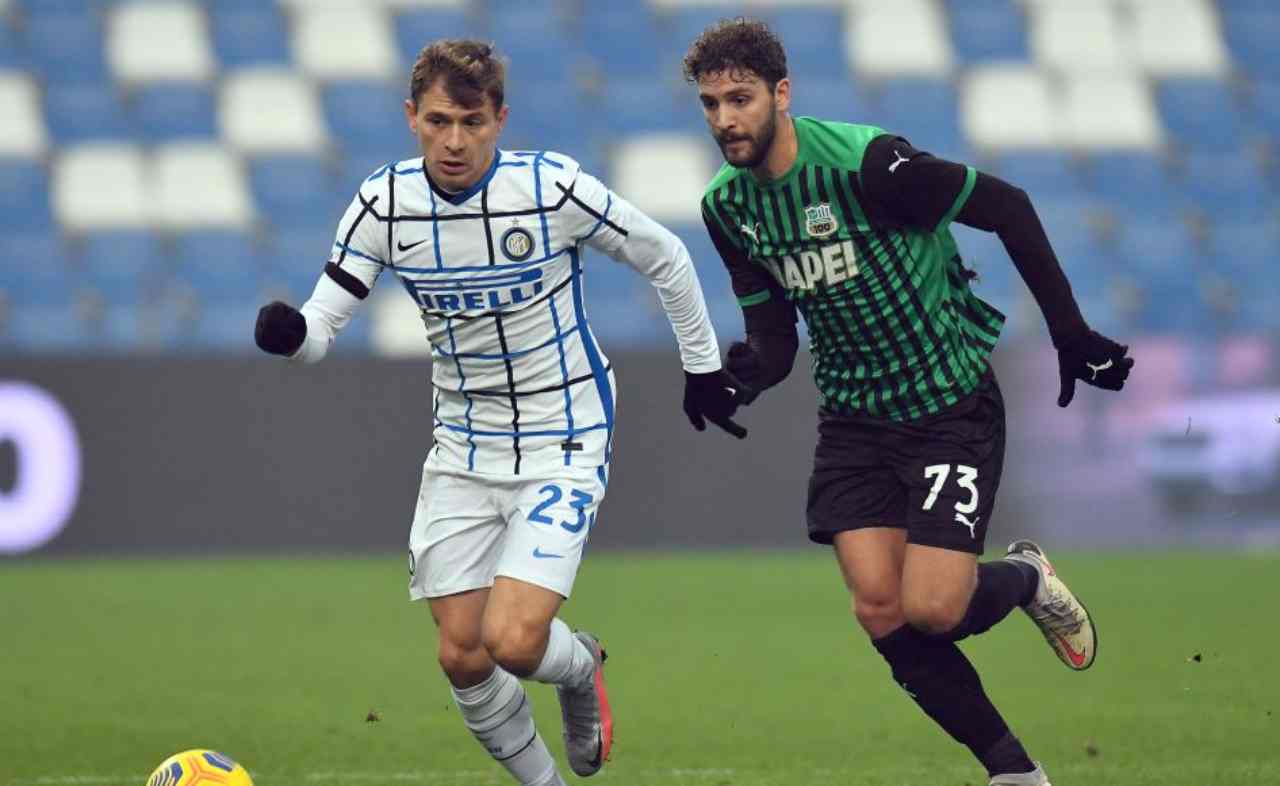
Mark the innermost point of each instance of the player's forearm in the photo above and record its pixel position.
(997, 206)
(776, 353)
(327, 313)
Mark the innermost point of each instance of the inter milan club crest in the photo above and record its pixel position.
(517, 244)
(819, 221)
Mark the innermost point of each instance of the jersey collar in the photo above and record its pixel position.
(464, 195)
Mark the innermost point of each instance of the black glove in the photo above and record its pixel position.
(281, 329)
(1094, 358)
(762, 361)
(715, 396)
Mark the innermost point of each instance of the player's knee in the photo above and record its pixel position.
(516, 647)
(464, 664)
(879, 615)
(933, 615)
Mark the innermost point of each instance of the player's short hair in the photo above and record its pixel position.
(472, 71)
(737, 44)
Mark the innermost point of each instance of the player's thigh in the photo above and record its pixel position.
(870, 560)
(852, 486)
(548, 523)
(456, 537)
(951, 464)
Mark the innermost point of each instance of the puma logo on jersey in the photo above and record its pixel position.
(831, 264)
(1096, 369)
(972, 525)
(894, 166)
(750, 231)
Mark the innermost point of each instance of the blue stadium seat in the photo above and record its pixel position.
(367, 116)
(1134, 183)
(925, 111)
(224, 326)
(993, 32)
(83, 112)
(1173, 301)
(1053, 174)
(647, 104)
(170, 111)
(53, 329)
(1200, 114)
(297, 190)
(1244, 251)
(13, 52)
(627, 41)
(1152, 249)
(416, 29)
(357, 166)
(544, 114)
(24, 192)
(248, 33)
(124, 267)
(814, 39)
(537, 42)
(36, 269)
(1229, 187)
(1251, 34)
(295, 260)
(65, 46)
(826, 98)
(1265, 109)
(220, 266)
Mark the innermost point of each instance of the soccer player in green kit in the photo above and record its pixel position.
(848, 225)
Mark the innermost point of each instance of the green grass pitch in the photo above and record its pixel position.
(726, 669)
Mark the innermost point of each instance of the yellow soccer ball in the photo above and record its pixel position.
(198, 767)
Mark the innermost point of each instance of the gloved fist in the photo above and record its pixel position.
(715, 396)
(744, 364)
(1094, 358)
(280, 330)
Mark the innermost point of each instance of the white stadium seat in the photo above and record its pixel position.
(159, 41)
(1178, 38)
(902, 38)
(199, 185)
(658, 172)
(344, 43)
(1109, 111)
(271, 110)
(24, 128)
(101, 186)
(397, 330)
(1008, 106)
(399, 5)
(1080, 35)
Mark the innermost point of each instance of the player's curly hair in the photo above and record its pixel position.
(733, 44)
(472, 70)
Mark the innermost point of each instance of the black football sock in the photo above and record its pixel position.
(937, 675)
(1002, 586)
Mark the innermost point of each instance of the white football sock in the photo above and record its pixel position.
(567, 661)
(500, 716)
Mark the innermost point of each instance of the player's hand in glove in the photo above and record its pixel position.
(762, 361)
(1094, 358)
(281, 329)
(715, 396)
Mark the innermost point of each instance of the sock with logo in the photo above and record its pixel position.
(1003, 585)
(937, 675)
(500, 716)
(567, 661)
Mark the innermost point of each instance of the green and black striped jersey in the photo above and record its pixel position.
(894, 329)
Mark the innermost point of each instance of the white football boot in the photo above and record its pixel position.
(1034, 778)
(588, 721)
(1061, 617)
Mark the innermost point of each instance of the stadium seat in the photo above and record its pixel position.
(102, 186)
(24, 192)
(1057, 30)
(1251, 34)
(123, 266)
(1265, 110)
(298, 191)
(1229, 188)
(65, 46)
(1178, 38)
(659, 172)
(166, 112)
(220, 198)
(813, 37)
(925, 111)
(1244, 251)
(996, 32)
(348, 42)
(829, 98)
(537, 41)
(158, 42)
(24, 133)
(367, 116)
(219, 266)
(69, 107)
(628, 42)
(904, 38)
(248, 33)
(13, 50)
(1044, 174)
(1155, 248)
(36, 270)
(644, 105)
(415, 29)
(295, 261)
(269, 110)
(1134, 184)
(1200, 114)
(1008, 107)
(1109, 112)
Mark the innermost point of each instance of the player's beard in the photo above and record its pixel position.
(761, 142)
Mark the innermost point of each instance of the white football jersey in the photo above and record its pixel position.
(521, 386)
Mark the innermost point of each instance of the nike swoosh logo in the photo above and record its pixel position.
(403, 247)
(1077, 658)
(538, 553)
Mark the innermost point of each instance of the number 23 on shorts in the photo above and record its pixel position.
(579, 501)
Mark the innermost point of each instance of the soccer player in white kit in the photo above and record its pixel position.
(488, 243)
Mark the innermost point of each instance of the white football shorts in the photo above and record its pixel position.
(469, 528)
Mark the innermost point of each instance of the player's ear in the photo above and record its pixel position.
(411, 115)
(782, 94)
(502, 117)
